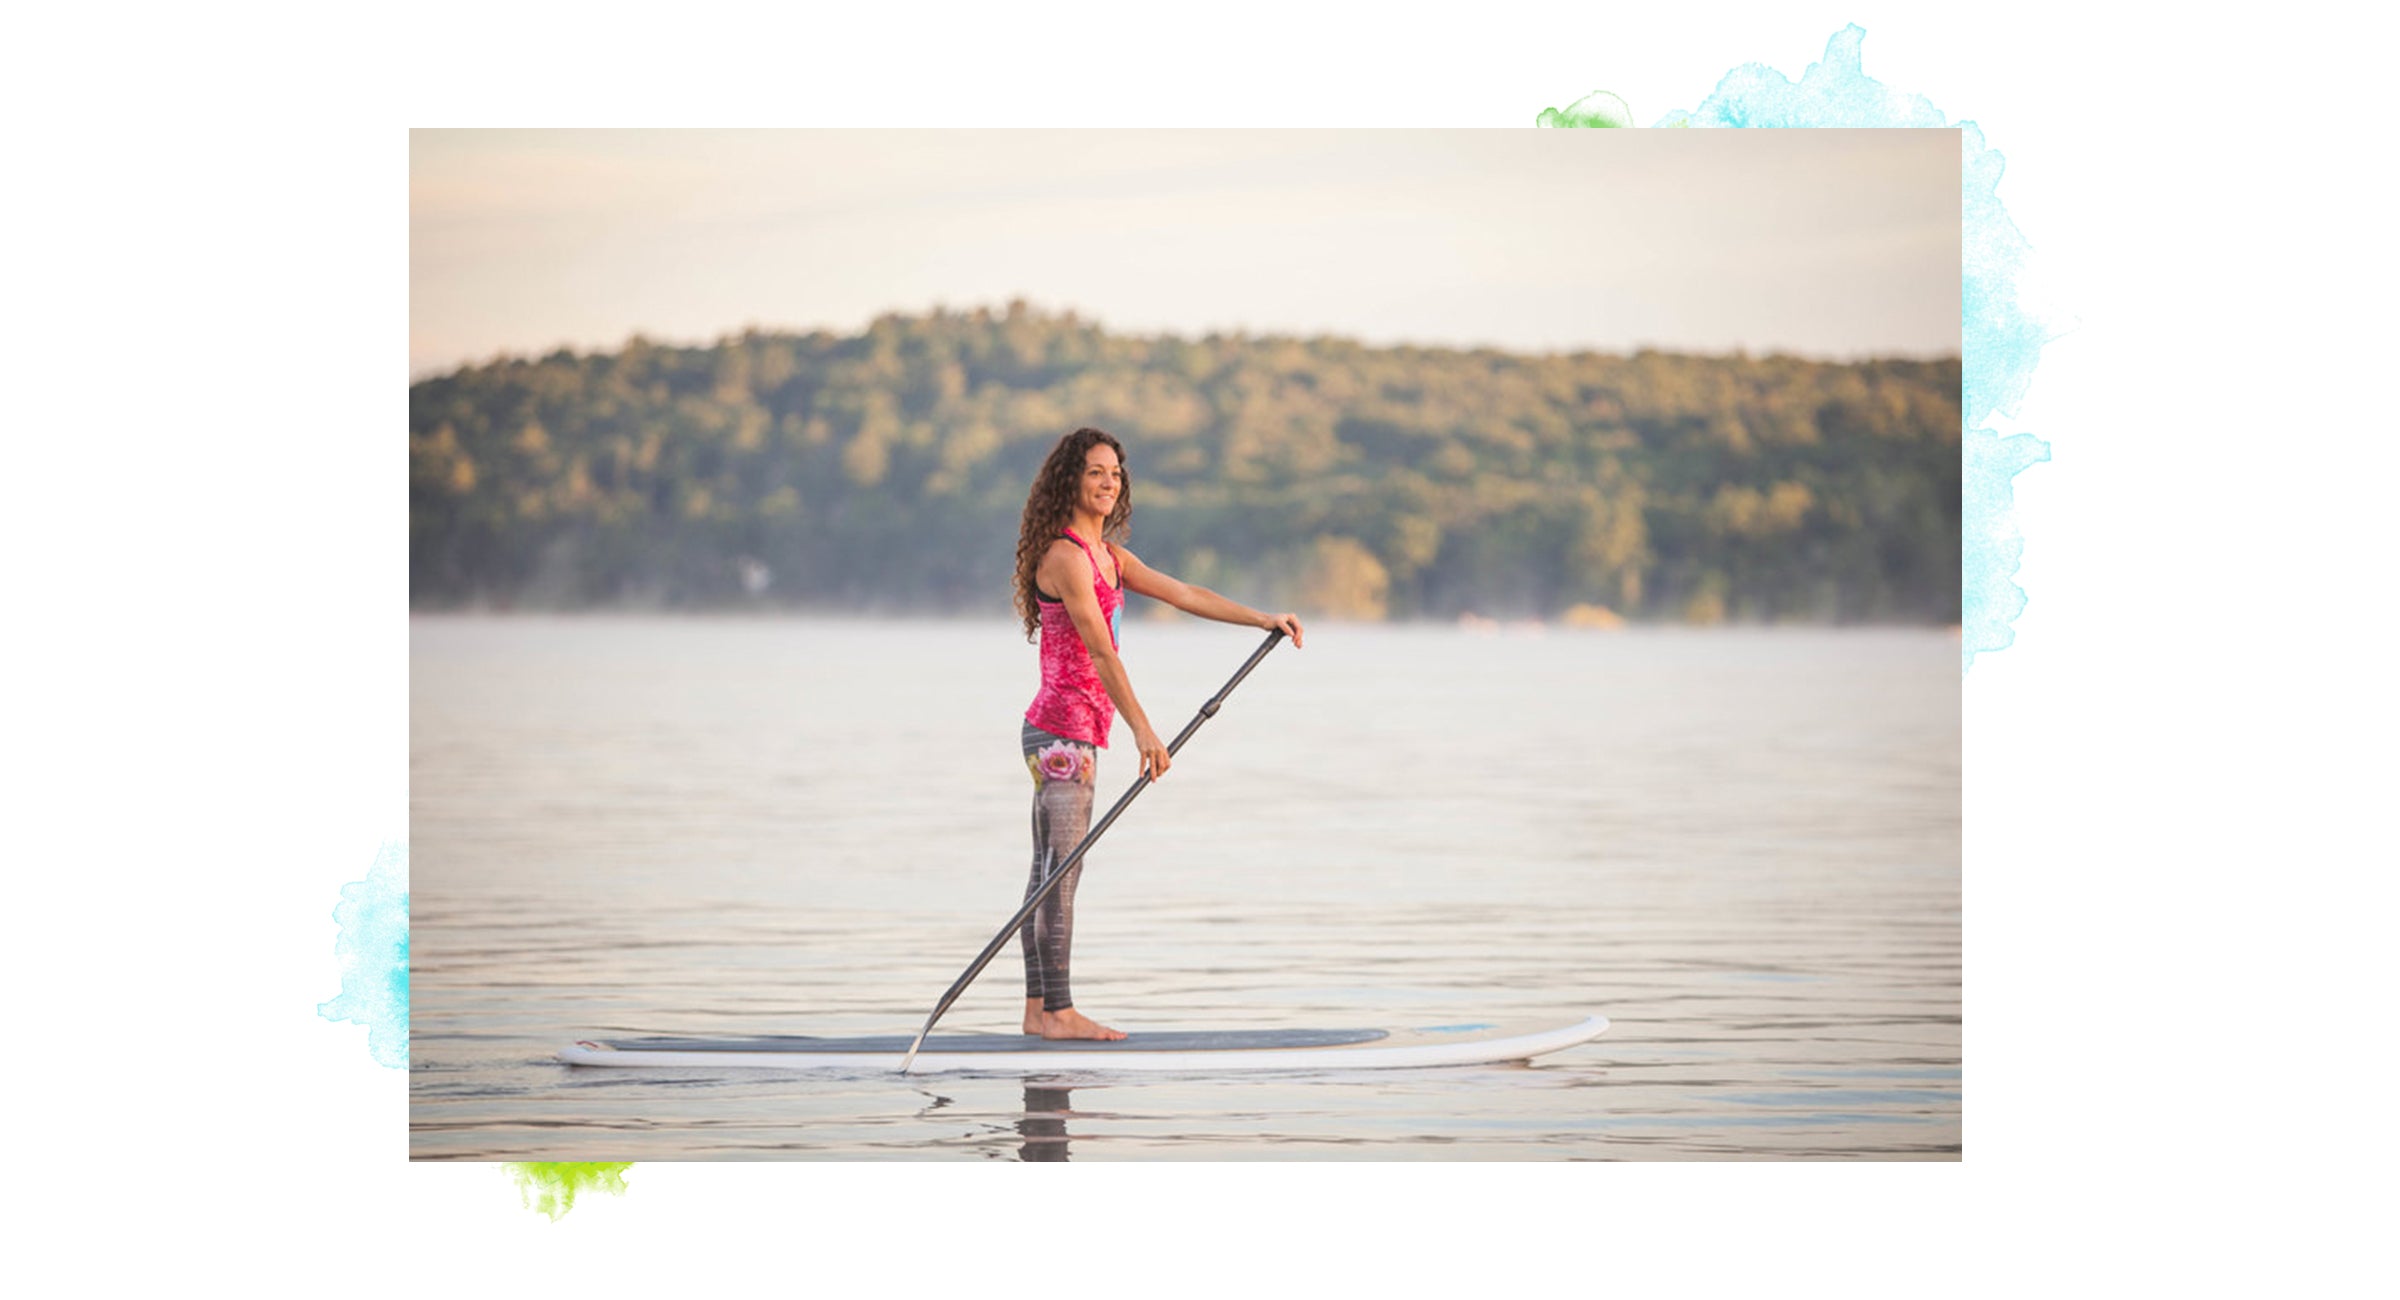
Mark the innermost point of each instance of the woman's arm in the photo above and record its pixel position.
(1141, 578)
(1066, 571)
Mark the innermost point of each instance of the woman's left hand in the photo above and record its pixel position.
(1288, 624)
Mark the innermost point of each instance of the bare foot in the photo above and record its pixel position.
(1069, 1023)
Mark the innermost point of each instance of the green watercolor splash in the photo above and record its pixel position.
(2000, 338)
(372, 949)
(1599, 108)
(558, 1184)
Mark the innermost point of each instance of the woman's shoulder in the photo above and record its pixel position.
(1062, 551)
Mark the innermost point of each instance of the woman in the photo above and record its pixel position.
(1072, 575)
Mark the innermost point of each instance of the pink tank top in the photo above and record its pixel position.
(1072, 702)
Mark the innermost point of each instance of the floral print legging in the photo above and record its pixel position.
(1062, 812)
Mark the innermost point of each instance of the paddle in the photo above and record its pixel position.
(1058, 874)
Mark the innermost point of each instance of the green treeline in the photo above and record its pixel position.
(885, 471)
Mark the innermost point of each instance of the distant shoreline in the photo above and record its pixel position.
(889, 468)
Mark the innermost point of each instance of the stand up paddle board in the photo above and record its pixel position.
(1264, 1049)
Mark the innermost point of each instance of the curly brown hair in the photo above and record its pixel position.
(1051, 504)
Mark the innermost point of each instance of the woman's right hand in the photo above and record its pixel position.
(1155, 758)
(1288, 624)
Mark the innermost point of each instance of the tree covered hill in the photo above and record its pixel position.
(885, 471)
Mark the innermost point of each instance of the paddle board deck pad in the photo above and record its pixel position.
(1264, 1049)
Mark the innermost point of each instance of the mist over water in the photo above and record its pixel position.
(1742, 846)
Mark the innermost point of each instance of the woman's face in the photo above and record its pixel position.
(1103, 480)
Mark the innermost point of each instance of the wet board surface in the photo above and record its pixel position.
(1196, 1050)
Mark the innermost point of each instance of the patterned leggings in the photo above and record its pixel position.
(1062, 812)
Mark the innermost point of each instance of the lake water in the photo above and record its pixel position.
(1742, 846)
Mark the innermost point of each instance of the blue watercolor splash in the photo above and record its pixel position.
(373, 952)
(2001, 340)
(1831, 93)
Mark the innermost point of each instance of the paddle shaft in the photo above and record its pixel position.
(1058, 874)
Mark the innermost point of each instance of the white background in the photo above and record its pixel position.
(2172, 891)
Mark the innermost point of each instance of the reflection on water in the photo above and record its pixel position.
(1740, 846)
(1044, 1124)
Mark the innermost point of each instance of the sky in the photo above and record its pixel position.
(1824, 243)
